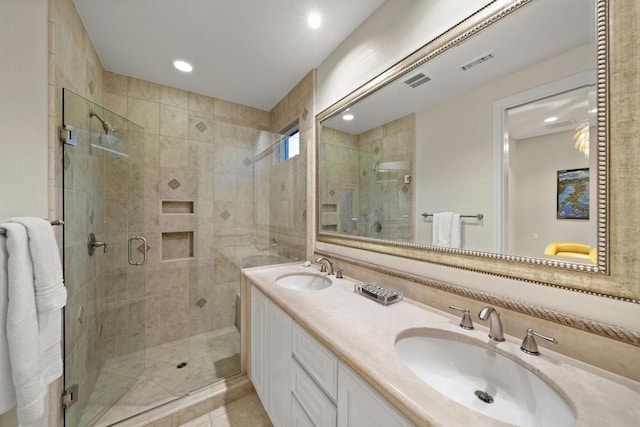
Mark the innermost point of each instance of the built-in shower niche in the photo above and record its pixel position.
(175, 207)
(177, 245)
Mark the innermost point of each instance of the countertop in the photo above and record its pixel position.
(363, 333)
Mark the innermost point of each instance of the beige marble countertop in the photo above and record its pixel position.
(363, 333)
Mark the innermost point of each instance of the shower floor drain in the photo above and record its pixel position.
(181, 365)
(484, 396)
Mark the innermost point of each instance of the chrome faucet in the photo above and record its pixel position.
(326, 265)
(495, 324)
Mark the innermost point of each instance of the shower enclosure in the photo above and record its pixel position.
(153, 255)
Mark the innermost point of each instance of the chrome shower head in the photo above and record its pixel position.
(105, 124)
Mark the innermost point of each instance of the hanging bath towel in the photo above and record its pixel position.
(35, 297)
(446, 229)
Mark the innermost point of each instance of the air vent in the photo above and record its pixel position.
(417, 80)
(562, 124)
(476, 62)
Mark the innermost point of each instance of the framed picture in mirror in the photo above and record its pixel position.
(573, 194)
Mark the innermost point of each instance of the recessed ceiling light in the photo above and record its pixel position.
(550, 119)
(314, 20)
(183, 66)
(347, 117)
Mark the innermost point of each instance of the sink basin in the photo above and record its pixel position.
(474, 375)
(303, 282)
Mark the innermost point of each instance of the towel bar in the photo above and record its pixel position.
(476, 216)
(52, 221)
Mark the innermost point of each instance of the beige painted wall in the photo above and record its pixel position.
(23, 108)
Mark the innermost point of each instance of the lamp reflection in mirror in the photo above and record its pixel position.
(581, 138)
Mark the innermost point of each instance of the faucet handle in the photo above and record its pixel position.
(529, 344)
(465, 322)
(339, 272)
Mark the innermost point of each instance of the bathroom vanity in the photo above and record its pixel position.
(323, 355)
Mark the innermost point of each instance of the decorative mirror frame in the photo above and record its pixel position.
(560, 274)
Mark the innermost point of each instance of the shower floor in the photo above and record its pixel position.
(145, 382)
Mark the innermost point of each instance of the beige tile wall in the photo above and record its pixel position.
(197, 149)
(290, 209)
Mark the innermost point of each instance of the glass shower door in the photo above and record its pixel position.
(103, 191)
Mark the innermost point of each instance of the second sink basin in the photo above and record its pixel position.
(481, 379)
(303, 282)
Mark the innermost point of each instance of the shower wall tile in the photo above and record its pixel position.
(188, 180)
(114, 219)
(173, 308)
(173, 153)
(143, 89)
(136, 215)
(253, 117)
(144, 113)
(116, 172)
(173, 96)
(174, 121)
(152, 182)
(201, 128)
(224, 187)
(152, 150)
(225, 110)
(200, 105)
(116, 103)
(151, 312)
(135, 285)
(115, 84)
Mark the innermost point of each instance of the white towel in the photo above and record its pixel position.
(7, 390)
(47, 270)
(33, 322)
(446, 230)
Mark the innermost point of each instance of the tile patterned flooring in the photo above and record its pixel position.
(244, 412)
(145, 380)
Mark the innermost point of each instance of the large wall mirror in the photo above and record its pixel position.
(488, 143)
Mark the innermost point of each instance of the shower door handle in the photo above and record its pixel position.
(144, 251)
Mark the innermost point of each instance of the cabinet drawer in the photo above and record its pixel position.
(320, 363)
(299, 418)
(315, 404)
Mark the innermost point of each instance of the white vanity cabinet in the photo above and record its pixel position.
(301, 383)
(271, 357)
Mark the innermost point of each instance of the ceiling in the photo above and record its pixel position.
(252, 52)
(538, 31)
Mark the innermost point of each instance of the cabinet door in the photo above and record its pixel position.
(279, 365)
(258, 343)
(359, 405)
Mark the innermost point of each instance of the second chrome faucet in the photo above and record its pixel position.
(495, 324)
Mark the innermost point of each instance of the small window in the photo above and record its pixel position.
(288, 147)
(291, 145)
